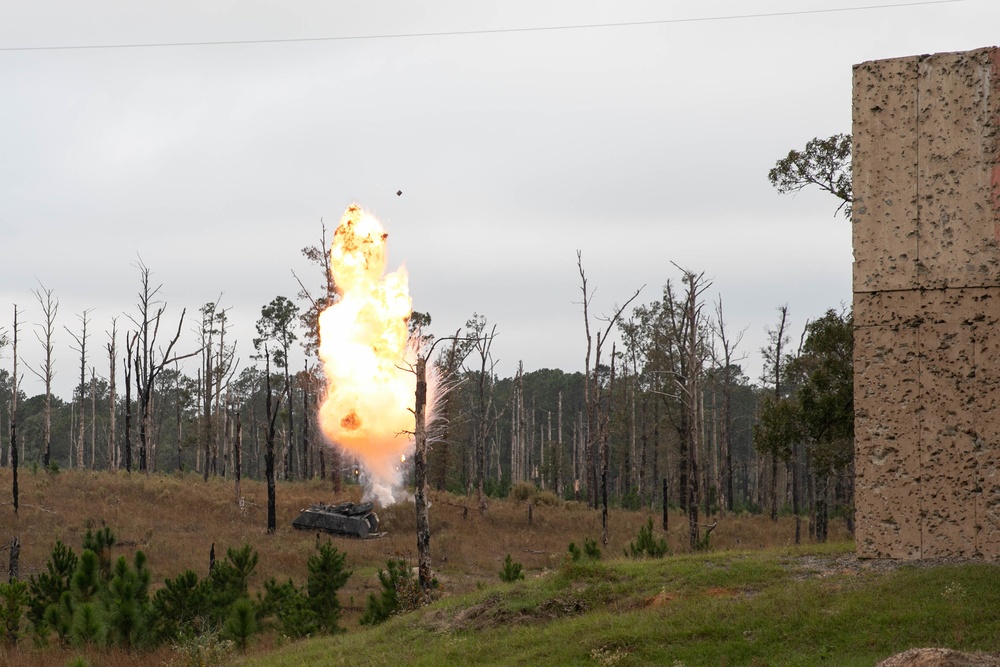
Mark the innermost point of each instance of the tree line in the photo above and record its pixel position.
(666, 417)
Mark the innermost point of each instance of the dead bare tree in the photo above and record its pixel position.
(483, 413)
(309, 318)
(773, 360)
(112, 348)
(238, 456)
(420, 437)
(218, 364)
(81, 348)
(603, 437)
(724, 359)
(46, 371)
(424, 575)
(272, 406)
(15, 384)
(592, 385)
(148, 361)
(448, 364)
(130, 344)
(93, 417)
(687, 334)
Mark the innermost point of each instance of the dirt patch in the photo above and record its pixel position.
(940, 657)
(493, 613)
(661, 599)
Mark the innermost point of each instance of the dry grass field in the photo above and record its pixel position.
(176, 518)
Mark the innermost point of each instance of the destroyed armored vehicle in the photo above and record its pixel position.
(344, 519)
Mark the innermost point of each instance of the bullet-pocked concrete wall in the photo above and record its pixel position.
(926, 305)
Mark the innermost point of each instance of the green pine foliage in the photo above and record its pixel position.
(512, 571)
(327, 575)
(45, 590)
(128, 601)
(86, 581)
(230, 580)
(13, 598)
(290, 606)
(241, 623)
(100, 542)
(396, 579)
(645, 545)
(591, 549)
(182, 605)
(72, 602)
(88, 625)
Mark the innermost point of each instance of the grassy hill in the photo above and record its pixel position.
(752, 599)
(771, 607)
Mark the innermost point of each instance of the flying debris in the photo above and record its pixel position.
(399, 192)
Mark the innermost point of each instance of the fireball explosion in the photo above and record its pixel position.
(367, 355)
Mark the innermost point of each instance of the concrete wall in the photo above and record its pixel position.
(927, 305)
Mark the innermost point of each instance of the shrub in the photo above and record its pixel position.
(645, 545)
(88, 626)
(327, 575)
(631, 501)
(205, 649)
(290, 606)
(590, 550)
(45, 592)
(241, 622)
(13, 598)
(181, 605)
(400, 592)
(547, 498)
(128, 601)
(100, 543)
(511, 571)
(523, 491)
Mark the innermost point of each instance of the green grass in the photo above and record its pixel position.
(725, 608)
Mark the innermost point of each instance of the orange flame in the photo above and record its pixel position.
(365, 353)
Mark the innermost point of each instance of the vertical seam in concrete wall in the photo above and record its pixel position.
(977, 490)
(920, 448)
(920, 347)
(994, 75)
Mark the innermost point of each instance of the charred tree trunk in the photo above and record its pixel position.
(793, 465)
(128, 403)
(272, 407)
(605, 454)
(14, 566)
(420, 480)
(13, 461)
(666, 513)
(13, 420)
(307, 469)
(238, 455)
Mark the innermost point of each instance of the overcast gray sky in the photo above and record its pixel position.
(639, 145)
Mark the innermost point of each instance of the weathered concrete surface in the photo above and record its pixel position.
(927, 305)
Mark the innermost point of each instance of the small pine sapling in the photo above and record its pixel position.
(13, 599)
(511, 571)
(400, 592)
(327, 575)
(241, 623)
(647, 546)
